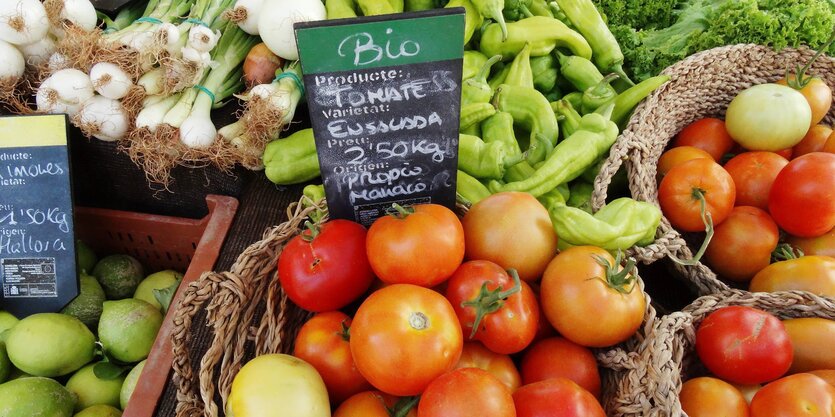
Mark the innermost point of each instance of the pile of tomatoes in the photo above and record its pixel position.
(429, 314)
(744, 347)
(764, 175)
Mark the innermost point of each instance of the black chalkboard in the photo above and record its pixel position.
(384, 95)
(37, 248)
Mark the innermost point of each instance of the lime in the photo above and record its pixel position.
(50, 344)
(119, 275)
(35, 396)
(100, 410)
(5, 363)
(85, 258)
(88, 305)
(128, 328)
(91, 390)
(130, 384)
(7, 321)
(156, 281)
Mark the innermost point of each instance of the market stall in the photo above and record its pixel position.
(432, 208)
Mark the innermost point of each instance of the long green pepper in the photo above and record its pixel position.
(599, 95)
(619, 225)
(626, 101)
(543, 33)
(569, 118)
(470, 189)
(493, 10)
(498, 128)
(472, 17)
(570, 157)
(545, 72)
(532, 111)
(484, 160)
(520, 73)
(292, 160)
(579, 71)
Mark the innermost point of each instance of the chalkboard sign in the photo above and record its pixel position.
(37, 248)
(384, 95)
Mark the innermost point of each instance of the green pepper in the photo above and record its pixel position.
(579, 71)
(484, 160)
(292, 160)
(580, 195)
(314, 192)
(375, 7)
(568, 118)
(397, 5)
(418, 5)
(473, 61)
(340, 9)
(590, 174)
(626, 101)
(558, 195)
(575, 98)
(619, 225)
(474, 113)
(493, 10)
(544, 72)
(554, 95)
(586, 18)
(569, 158)
(532, 111)
(472, 18)
(470, 189)
(601, 94)
(498, 78)
(520, 72)
(516, 9)
(543, 33)
(558, 14)
(540, 8)
(476, 89)
(499, 128)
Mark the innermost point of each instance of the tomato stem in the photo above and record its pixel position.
(314, 231)
(785, 252)
(617, 280)
(402, 212)
(345, 332)
(707, 219)
(490, 301)
(800, 79)
(403, 406)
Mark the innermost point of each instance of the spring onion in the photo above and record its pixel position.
(22, 21)
(65, 91)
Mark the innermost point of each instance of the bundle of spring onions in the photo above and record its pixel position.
(149, 77)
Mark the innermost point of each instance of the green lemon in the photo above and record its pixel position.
(91, 390)
(7, 321)
(85, 258)
(100, 410)
(50, 344)
(156, 281)
(130, 384)
(88, 305)
(5, 363)
(128, 328)
(119, 275)
(36, 396)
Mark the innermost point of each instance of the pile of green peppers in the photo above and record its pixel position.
(543, 99)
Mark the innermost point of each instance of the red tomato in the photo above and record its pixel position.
(708, 134)
(492, 227)
(823, 245)
(328, 270)
(560, 357)
(403, 337)
(505, 309)
(422, 245)
(679, 190)
(829, 146)
(753, 173)
(375, 404)
(676, 156)
(787, 153)
(556, 397)
(577, 282)
(744, 345)
(466, 392)
(814, 141)
(802, 199)
(475, 355)
(742, 244)
(323, 342)
(815, 274)
(711, 397)
(798, 395)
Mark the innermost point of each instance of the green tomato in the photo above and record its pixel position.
(768, 117)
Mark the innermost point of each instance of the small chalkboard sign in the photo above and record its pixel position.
(37, 248)
(384, 95)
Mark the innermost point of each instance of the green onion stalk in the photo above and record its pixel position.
(269, 109)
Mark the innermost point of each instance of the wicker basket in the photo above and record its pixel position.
(701, 86)
(250, 315)
(670, 357)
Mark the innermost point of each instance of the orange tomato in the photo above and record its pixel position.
(743, 243)
(676, 156)
(815, 274)
(578, 282)
(475, 355)
(711, 397)
(827, 375)
(404, 336)
(371, 404)
(829, 146)
(823, 245)
(753, 174)
(814, 141)
(819, 96)
(560, 357)
(813, 339)
(708, 134)
(466, 392)
(677, 194)
(798, 395)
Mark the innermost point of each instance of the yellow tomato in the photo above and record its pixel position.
(812, 339)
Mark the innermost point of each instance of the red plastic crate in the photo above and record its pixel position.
(190, 246)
